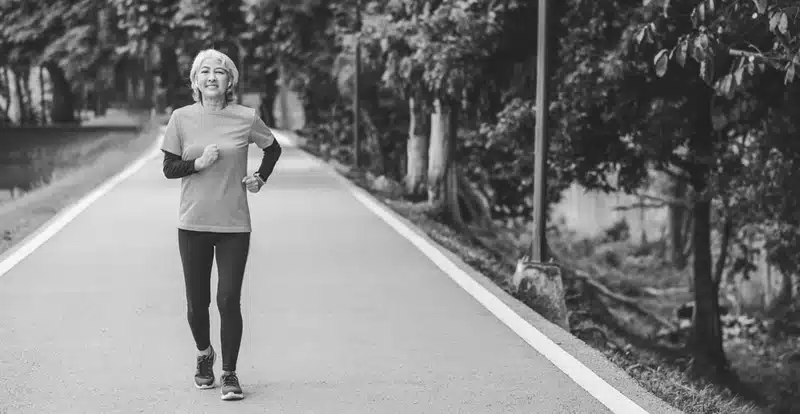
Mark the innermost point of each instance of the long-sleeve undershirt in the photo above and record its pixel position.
(176, 167)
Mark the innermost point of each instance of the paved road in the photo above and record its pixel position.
(342, 315)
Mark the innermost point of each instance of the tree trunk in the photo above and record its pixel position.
(706, 342)
(133, 82)
(677, 214)
(21, 109)
(376, 159)
(416, 151)
(451, 188)
(285, 121)
(99, 100)
(438, 156)
(63, 109)
(175, 87)
(27, 93)
(441, 196)
(148, 80)
(452, 197)
(475, 205)
(270, 93)
(42, 104)
(5, 93)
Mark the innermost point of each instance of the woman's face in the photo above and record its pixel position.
(212, 79)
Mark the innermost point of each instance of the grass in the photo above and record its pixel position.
(94, 162)
(760, 361)
(662, 373)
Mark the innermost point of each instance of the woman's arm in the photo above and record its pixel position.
(176, 167)
(271, 155)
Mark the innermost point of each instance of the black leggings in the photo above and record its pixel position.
(197, 251)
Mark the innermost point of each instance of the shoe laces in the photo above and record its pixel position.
(230, 380)
(204, 365)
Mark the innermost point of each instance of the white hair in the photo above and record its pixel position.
(227, 64)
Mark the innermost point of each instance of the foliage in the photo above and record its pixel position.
(629, 78)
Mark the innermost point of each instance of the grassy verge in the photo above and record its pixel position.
(99, 160)
(659, 370)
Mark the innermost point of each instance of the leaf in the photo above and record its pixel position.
(640, 34)
(738, 76)
(701, 11)
(773, 21)
(707, 71)
(661, 61)
(751, 66)
(761, 5)
(790, 72)
(700, 51)
(727, 86)
(683, 48)
(783, 25)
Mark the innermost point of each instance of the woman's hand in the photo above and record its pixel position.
(253, 183)
(210, 155)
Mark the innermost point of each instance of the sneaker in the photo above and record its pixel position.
(230, 387)
(204, 375)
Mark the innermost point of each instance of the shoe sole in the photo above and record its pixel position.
(203, 387)
(232, 396)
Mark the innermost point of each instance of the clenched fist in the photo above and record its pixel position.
(210, 154)
(253, 183)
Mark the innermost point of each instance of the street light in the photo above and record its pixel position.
(356, 75)
(539, 245)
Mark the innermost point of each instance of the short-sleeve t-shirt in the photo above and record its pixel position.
(215, 199)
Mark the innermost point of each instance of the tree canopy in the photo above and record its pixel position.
(701, 93)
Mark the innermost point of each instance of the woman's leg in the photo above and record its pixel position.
(232, 251)
(197, 254)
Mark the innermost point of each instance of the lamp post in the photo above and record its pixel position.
(539, 245)
(356, 76)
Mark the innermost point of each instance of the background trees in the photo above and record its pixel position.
(694, 100)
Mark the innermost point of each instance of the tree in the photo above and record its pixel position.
(150, 28)
(625, 117)
(447, 45)
(65, 38)
(706, 43)
(261, 40)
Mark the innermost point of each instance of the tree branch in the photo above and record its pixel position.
(675, 175)
(775, 62)
(627, 301)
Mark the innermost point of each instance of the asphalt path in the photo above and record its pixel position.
(342, 314)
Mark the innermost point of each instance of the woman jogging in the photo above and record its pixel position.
(206, 145)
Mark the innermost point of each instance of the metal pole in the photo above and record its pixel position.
(539, 245)
(356, 106)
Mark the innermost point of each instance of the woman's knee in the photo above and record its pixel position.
(228, 303)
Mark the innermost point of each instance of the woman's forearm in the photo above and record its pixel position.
(271, 155)
(176, 167)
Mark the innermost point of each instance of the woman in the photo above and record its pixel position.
(206, 145)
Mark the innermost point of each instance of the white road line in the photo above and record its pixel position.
(604, 392)
(67, 215)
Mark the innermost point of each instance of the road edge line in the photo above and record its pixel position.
(29, 244)
(582, 375)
